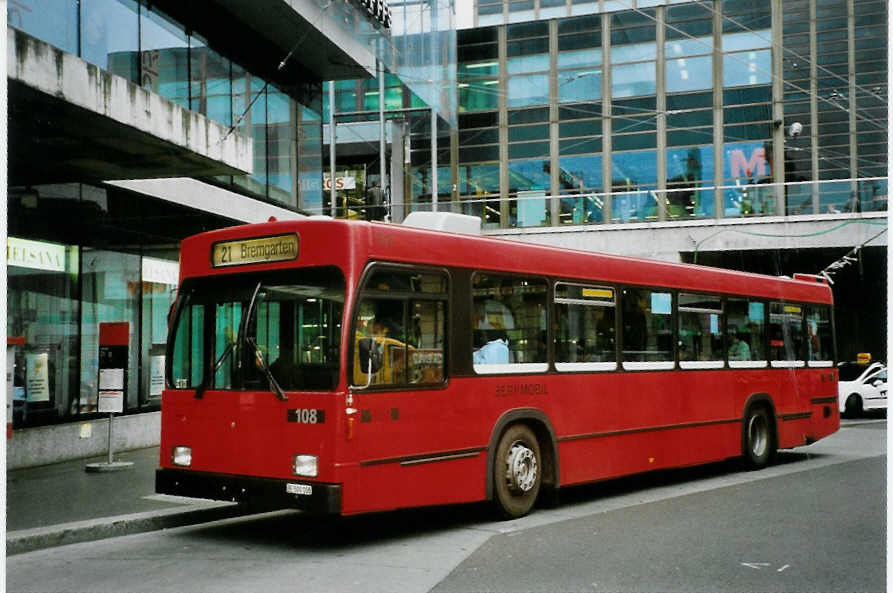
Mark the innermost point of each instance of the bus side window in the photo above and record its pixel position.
(584, 327)
(700, 329)
(405, 314)
(819, 337)
(509, 323)
(746, 332)
(647, 328)
(786, 336)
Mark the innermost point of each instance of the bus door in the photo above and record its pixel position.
(397, 378)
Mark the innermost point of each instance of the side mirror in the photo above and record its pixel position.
(370, 355)
(877, 382)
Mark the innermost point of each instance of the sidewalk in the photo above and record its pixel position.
(62, 503)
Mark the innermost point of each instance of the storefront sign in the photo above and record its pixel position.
(36, 255)
(255, 251)
(160, 271)
(37, 377)
(340, 183)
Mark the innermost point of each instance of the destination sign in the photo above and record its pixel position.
(255, 251)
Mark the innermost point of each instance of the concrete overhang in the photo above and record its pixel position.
(271, 29)
(69, 121)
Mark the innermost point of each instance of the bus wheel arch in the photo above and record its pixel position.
(759, 432)
(540, 428)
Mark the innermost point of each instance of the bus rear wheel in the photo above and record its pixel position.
(517, 472)
(758, 439)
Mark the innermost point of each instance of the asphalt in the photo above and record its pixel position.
(63, 503)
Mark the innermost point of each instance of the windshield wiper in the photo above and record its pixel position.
(259, 357)
(230, 348)
(204, 386)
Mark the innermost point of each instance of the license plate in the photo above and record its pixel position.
(302, 489)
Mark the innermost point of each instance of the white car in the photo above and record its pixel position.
(861, 387)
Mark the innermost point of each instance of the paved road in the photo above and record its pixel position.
(791, 527)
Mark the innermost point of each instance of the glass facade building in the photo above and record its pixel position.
(88, 252)
(612, 112)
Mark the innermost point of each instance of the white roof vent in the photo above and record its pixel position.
(449, 222)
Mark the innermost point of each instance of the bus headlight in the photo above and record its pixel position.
(306, 465)
(182, 456)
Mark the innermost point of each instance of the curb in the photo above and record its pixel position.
(39, 538)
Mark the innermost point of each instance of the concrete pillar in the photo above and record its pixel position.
(661, 89)
(718, 138)
(607, 74)
(778, 131)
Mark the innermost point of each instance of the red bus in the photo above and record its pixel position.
(348, 367)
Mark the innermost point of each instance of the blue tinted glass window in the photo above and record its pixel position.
(110, 36)
(581, 57)
(280, 123)
(630, 80)
(210, 87)
(52, 21)
(524, 64)
(689, 169)
(529, 175)
(747, 68)
(633, 52)
(532, 89)
(580, 172)
(576, 86)
(479, 95)
(746, 40)
(747, 167)
(478, 179)
(164, 51)
(689, 74)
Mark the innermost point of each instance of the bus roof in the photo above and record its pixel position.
(352, 244)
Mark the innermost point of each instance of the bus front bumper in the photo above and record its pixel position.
(267, 493)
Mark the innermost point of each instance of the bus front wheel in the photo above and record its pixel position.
(517, 472)
(758, 438)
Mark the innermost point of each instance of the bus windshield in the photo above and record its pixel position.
(292, 332)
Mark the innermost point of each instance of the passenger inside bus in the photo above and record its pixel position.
(494, 347)
(491, 320)
(738, 348)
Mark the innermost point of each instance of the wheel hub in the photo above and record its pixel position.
(759, 435)
(521, 468)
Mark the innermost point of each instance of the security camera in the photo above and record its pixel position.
(796, 129)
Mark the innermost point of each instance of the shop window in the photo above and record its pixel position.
(42, 318)
(647, 329)
(509, 324)
(111, 285)
(159, 287)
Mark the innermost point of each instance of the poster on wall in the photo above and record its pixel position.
(156, 378)
(37, 377)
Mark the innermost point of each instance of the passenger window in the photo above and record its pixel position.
(700, 331)
(746, 333)
(400, 329)
(819, 337)
(584, 328)
(509, 324)
(647, 329)
(786, 340)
